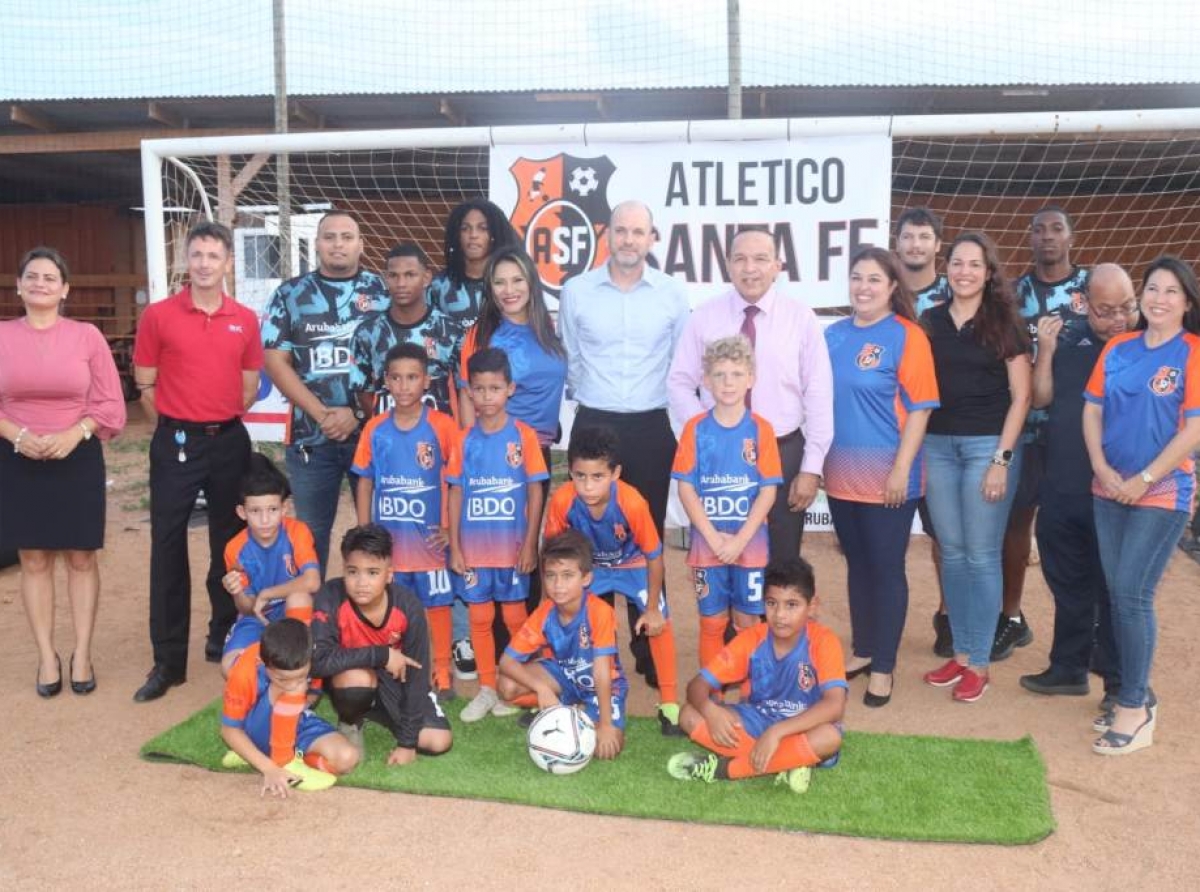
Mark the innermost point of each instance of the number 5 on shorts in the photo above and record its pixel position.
(754, 584)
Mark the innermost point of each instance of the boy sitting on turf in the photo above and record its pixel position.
(728, 470)
(371, 645)
(583, 668)
(399, 460)
(626, 549)
(794, 693)
(264, 721)
(272, 564)
(495, 475)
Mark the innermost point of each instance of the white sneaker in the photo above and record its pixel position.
(503, 709)
(464, 660)
(485, 701)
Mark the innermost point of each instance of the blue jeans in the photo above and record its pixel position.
(970, 532)
(316, 473)
(874, 539)
(1135, 546)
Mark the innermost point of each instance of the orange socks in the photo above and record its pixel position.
(285, 717)
(525, 701)
(712, 637)
(662, 651)
(793, 751)
(482, 642)
(514, 614)
(440, 635)
(304, 614)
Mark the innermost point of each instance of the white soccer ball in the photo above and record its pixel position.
(561, 740)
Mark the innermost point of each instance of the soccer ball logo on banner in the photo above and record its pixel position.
(562, 213)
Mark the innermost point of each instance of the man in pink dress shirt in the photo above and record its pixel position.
(793, 386)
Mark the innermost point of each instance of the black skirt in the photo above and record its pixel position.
(55, 504)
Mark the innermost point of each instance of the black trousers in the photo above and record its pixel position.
(215, 463)
(647, 452)
(1083, 633)
(785, 527)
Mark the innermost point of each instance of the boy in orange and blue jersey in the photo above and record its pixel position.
(495, 474)
(400, 461)
(583, 668)
(265, 722)
(728, 470)
(794, 693)
(626, 550)
(272, 564)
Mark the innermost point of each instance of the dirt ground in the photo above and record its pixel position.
(79, 808)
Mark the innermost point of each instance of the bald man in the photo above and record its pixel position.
(793, 383)
(620, 323)
(1066, 533)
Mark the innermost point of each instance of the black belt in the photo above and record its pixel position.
(203, 428)
(608, 413)
(787, 438)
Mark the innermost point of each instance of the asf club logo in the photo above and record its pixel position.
(562, 213)
(869, 356)
(1165, 381)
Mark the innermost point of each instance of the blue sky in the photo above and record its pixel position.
(64, 49)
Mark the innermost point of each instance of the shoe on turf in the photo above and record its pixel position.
(232, 760)
(970, 687)
(693, 766)
(464, 660)
(797, 779)
(311, 779)
(943, 642)
(1055, 681)
(503, 710)
(668, 720)
(482, 704)
(1010, 634)
(354, 734)
(945, 675)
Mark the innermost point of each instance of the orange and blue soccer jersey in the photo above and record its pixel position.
(574, 646)
(406, 469)
(494, 471)
(1147, 394)
(881, 372)
(727, 466)
(779, 687)
(623, 538)
(278, 729)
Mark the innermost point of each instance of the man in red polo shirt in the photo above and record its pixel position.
(196, 361)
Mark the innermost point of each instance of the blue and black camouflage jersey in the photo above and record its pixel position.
(314, 317)
(439, 335)
(461, 303)
(1066, 298)
(937, 293)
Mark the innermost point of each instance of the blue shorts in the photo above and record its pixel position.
(485, 584)
(720, 588)
(309, 729)
(571, 694)
(632, 582)
(433, 587)
(246, 630)
(756, 724)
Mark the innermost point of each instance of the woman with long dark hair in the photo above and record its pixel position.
(972, 449)
(60, 396)
(884, 378)
(1141, 423)
(474, 230)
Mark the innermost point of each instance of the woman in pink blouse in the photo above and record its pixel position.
(59, 397)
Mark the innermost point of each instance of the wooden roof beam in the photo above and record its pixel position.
(448, 111)
(31, 118)
(309, 116)
(156, 111)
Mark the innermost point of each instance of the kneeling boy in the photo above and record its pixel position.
(371, 644)
(580, 630)
(794, 692)
(265, 721)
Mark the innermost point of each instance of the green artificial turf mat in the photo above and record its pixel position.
(887, 786)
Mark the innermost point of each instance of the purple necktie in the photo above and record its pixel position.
(749, 333)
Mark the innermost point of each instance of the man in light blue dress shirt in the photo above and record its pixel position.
(620, 324)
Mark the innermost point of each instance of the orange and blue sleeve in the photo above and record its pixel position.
(828, 659)
(1094, 392)
(770, 468)
(556, 510)
(685, 453)
(641, 524)
(1191, 379)
(468, 350)
(535, 465)
(362, 453)
(530, 639)
(241, 689)
(916, 375)
(732, 664)
(454, 465)
(603, 620)
(233, 558)
(304, 549)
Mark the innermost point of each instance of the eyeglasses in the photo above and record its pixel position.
(1126, 309)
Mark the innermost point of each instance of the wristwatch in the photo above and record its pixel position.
(1002, 457)
(1147, 477)
(359, 414)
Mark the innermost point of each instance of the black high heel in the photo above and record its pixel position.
(80, 687)
(875, 701)
(46, 691)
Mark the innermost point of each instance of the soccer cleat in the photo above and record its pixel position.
(1010, 634)
(970, 687)
(354, 734)
(502, 709)
(945, 675)
(797, 779)
(668, 720)
(694, 766)
(943, 641)
(482, 704)
(232, 760)
(464, 660)
(311, 779)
